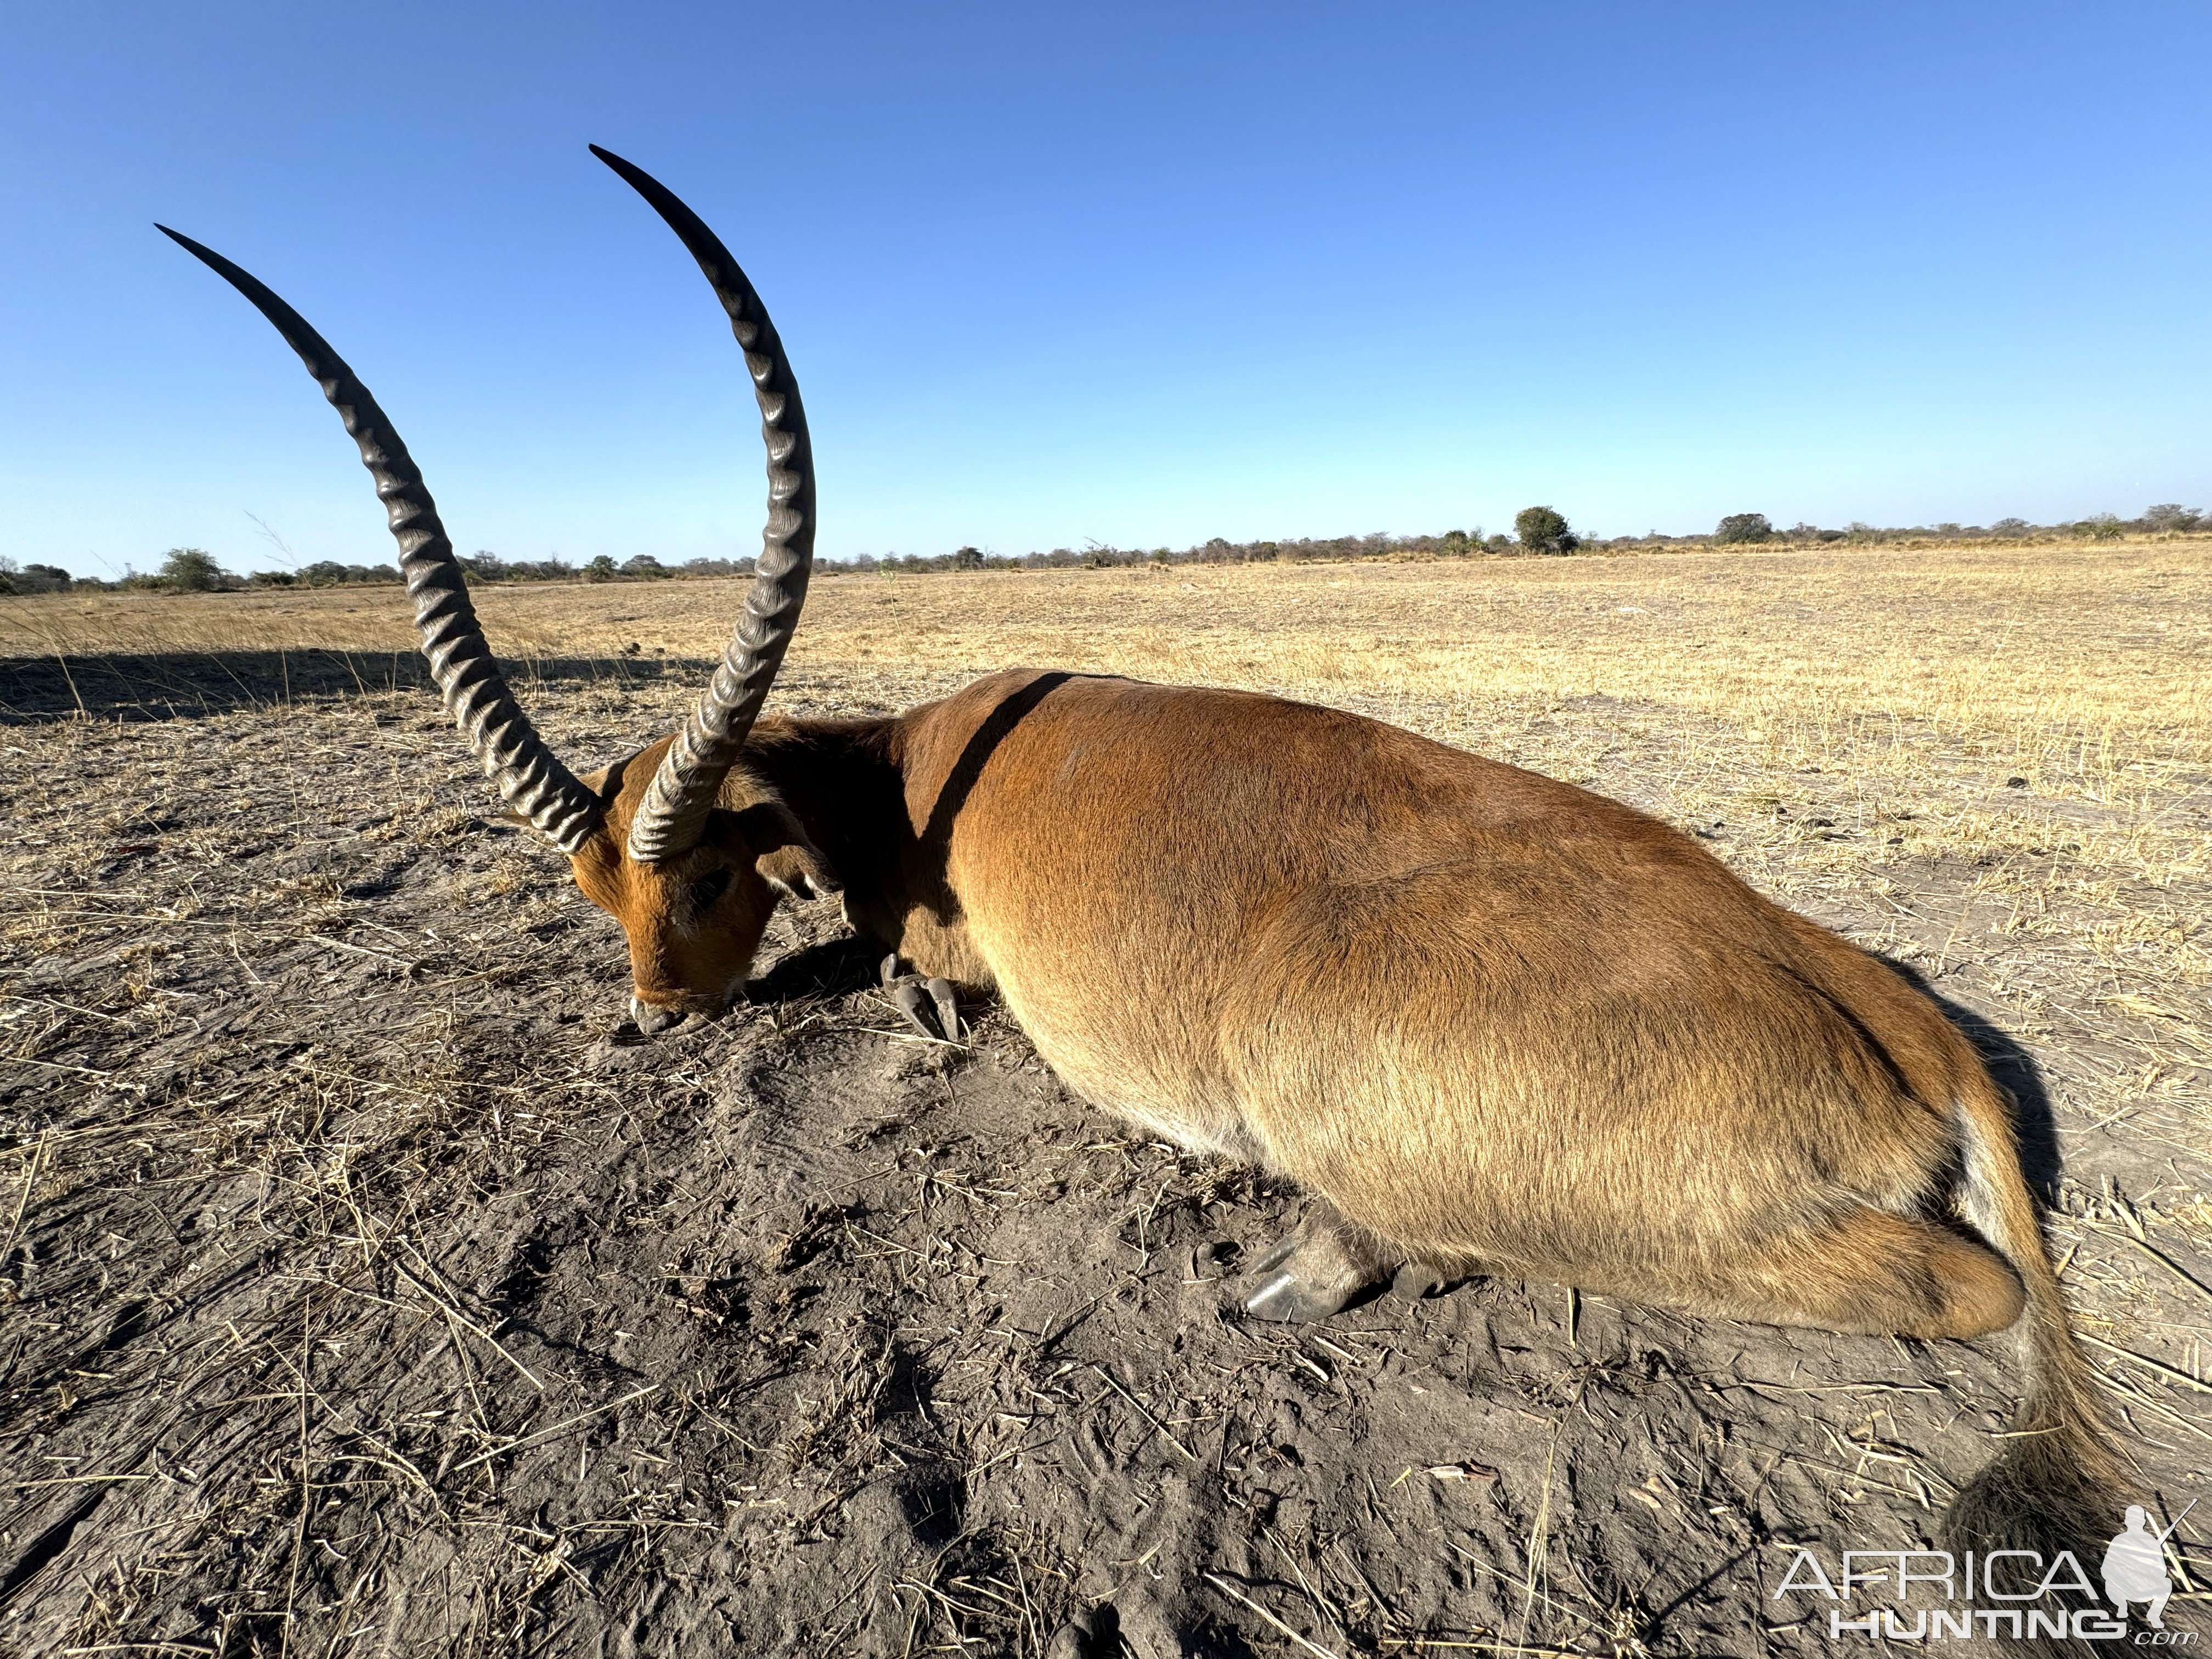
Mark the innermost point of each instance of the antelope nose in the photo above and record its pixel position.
(651, 1020)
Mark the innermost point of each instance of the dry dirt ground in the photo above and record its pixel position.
(368, 1287)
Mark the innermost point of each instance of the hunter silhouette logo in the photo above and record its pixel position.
(2135, 1566)
(1999, 1594)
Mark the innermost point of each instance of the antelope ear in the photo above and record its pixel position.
(798, 871)
(786, 860)
(753, 817)
(606, 781)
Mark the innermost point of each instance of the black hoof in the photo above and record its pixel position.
(929, 1005)
(907, 996)
(1415, 1280)
(654, 1021)
(948, 1010)
(1282, 1296)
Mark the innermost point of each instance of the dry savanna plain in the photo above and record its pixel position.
(369, 1287)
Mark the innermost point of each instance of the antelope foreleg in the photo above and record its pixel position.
(1319, 1269)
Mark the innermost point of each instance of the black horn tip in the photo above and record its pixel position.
(665, 200)
(214, 261)
(625, 168)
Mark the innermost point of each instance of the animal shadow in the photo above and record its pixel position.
(2016, 1072)
(133, 686)
(834, 967)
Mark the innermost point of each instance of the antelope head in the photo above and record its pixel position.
(680, 843)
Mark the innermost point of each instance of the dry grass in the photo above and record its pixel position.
(2090, 670)
(297, 1090)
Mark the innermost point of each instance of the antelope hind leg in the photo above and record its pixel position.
(1871, 1272)
(1315, 1270)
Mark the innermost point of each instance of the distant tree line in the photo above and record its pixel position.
(1537, 531)
(2168, 518)
(195, 570)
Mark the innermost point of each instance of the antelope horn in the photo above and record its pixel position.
(673, 814)
(528, 775)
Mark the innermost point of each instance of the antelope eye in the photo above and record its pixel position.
(708, 889)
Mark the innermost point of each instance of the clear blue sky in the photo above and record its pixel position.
(1143, 274)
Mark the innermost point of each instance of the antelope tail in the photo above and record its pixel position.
(2060, 1483)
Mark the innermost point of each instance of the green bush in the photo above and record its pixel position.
(1744, 527)
(32, 578)
(1544, 530)
(192, 570)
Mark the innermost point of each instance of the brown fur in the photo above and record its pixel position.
(1498, 1023)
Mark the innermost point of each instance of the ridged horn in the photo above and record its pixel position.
(528, 775)
(673, 813)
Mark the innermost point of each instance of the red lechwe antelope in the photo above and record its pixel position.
(1492, 1023)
